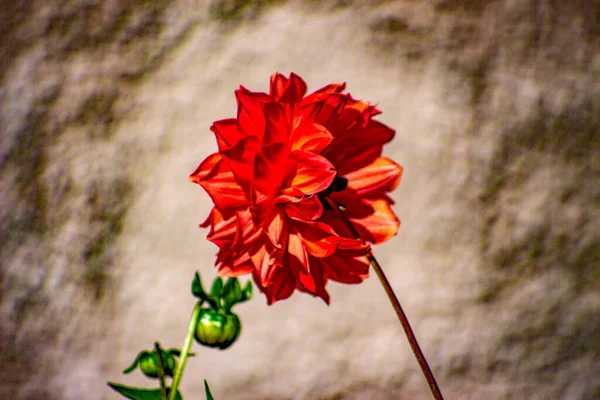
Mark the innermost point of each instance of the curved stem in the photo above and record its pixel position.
(161, 371)
(412, 339)
(185, 351)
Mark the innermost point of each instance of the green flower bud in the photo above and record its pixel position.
(149, 364)
(217, 328)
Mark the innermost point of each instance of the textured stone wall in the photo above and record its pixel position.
(104, 112)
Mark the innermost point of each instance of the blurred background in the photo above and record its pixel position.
(105, 107)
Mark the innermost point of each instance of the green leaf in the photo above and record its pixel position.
(208, 393)
(135, 362)
(217, 287)
(140, 393)
(232, 293)
(197, 289)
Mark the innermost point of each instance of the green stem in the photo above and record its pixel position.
(185, 351)
(161, 372)
(412, 339)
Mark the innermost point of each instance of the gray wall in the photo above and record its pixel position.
(104, 111)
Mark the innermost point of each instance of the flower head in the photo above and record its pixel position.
(282, 153)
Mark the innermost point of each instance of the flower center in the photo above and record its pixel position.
(339, 184)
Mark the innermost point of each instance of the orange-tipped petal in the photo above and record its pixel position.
(313, 174)
(214, 175)
(244, 269)
(381, 175)
(222, 231)
(296, 249)
(246, 232)
(265, 266)
(277, 228)
(381, 225)
(322, 94)
(310, 136)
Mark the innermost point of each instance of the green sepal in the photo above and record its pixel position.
(197, 289)
(217, 287)
(140, 393)
(135, 362)
(232, 293)
(247, 292)
(207, 390)
(214, 302)
(199, 292)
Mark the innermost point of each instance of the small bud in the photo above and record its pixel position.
(219, 329)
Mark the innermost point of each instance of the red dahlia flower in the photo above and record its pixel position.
(276, 160)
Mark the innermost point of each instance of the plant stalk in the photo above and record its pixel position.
(412, 339)
(185, 351)
(161, 372)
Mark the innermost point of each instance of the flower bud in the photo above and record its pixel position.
(217, 328)
(149, 364)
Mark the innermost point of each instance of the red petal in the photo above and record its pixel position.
(240, 159)
(243, 269)
(281, 288)
(286, 90)
(327, 111)
(250, 116)
(309, 208)
(381, 175)
(277, 124)
(346, 270)
(322, 94)
(277, 228)
(290, 195)
(208, 219)
(310, 136)
(320, 240)
(358, 147)
(373, 218)
(295, 91)
(296, 250)
(222, 231)
(265, 265)
(318, 280)
(247, 232)
(313, 173)
(226, 133)
(278, 84)
(219, 182)
(350, 115)
(270, 168)
(379, 226)
(231, 263)
(364, 110)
